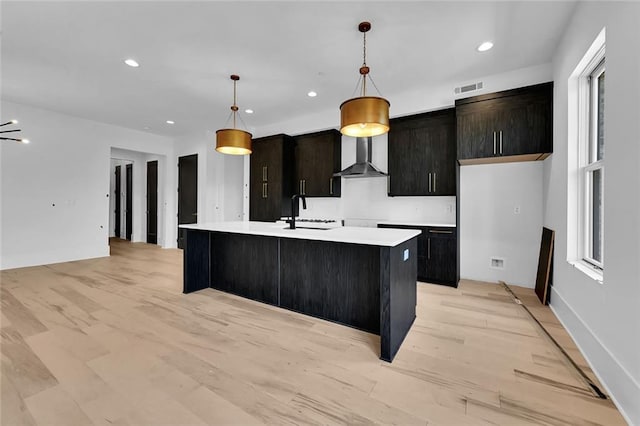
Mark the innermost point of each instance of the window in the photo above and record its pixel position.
(591, 164)
(592, 169)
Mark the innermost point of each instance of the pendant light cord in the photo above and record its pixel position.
(364, 63)
(234, 108)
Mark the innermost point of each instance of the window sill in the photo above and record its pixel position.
(588, 270)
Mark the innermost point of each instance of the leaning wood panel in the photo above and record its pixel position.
(544, 265)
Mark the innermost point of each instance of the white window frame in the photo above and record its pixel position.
(588, 162)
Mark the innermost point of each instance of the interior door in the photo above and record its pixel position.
(117, 194)
(187, 193)
(129, 202)
(152, 202)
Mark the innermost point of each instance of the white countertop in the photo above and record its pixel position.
(421, 224)
(355, 235)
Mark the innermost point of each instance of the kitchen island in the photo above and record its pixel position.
(360, 277)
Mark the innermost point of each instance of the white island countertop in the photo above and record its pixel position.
(387, 237)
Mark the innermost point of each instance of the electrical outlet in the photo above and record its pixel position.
(497, 263)
(516, 210)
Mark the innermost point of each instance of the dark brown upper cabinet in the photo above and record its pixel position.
(513, 125)
(271, 178)
(422, 154)
(317, 158)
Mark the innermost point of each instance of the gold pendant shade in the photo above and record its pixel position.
(233, 141)
(366, 115)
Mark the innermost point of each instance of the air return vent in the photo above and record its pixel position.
(468, 88)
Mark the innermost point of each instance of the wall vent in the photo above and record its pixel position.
(468, 88)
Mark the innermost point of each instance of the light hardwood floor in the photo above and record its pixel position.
(113, 341)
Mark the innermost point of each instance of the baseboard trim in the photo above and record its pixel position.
(621, 387)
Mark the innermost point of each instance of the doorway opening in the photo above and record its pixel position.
(138, 197)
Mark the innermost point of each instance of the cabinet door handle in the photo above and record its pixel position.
(304, 187)
(500, 142)
(436, 231)
(331, 186)
(429, 182)
(388, 184)
(494, 143)
(434, 182)
(428, 248)
(266, 190)
(300, 187)
(264, 173)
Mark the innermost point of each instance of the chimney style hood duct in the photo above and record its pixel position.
(362, 167)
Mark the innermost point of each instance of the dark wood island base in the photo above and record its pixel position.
(368, 287)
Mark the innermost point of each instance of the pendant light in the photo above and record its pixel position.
(366, 115)
(233, 141)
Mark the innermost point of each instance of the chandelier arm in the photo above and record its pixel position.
(7, 123)
(9, 131)
(10, 139)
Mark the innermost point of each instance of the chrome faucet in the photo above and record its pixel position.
(294, 208)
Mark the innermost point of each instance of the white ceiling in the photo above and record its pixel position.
(68, 56)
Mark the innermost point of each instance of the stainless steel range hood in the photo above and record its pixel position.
(362, 168)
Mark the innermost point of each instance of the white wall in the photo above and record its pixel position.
(604, 319)
(54, 191)
(490, 194)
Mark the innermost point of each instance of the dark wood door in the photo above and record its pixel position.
(476, 130)
(422, 154)
(409, 167)
(443, 155)
(318, 157)
(187, 193)
(441, 256)
(129, 202)
(152, 202)
(118, 200)
(524, 125)
(271, 177)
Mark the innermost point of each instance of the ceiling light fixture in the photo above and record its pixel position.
(2, 132)
(132, 63)
(485, 46)
(312, 94)
(248, 111)
(171, 122)
(365, 115)
(233, 141)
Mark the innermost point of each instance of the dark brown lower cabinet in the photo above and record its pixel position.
(372, 288)
(437, 253)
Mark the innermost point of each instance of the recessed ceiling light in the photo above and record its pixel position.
(485, 46)
(132, 63)
(171, 122)
(312, 94)
(25, 140)
(14, 121)
(248, 111)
